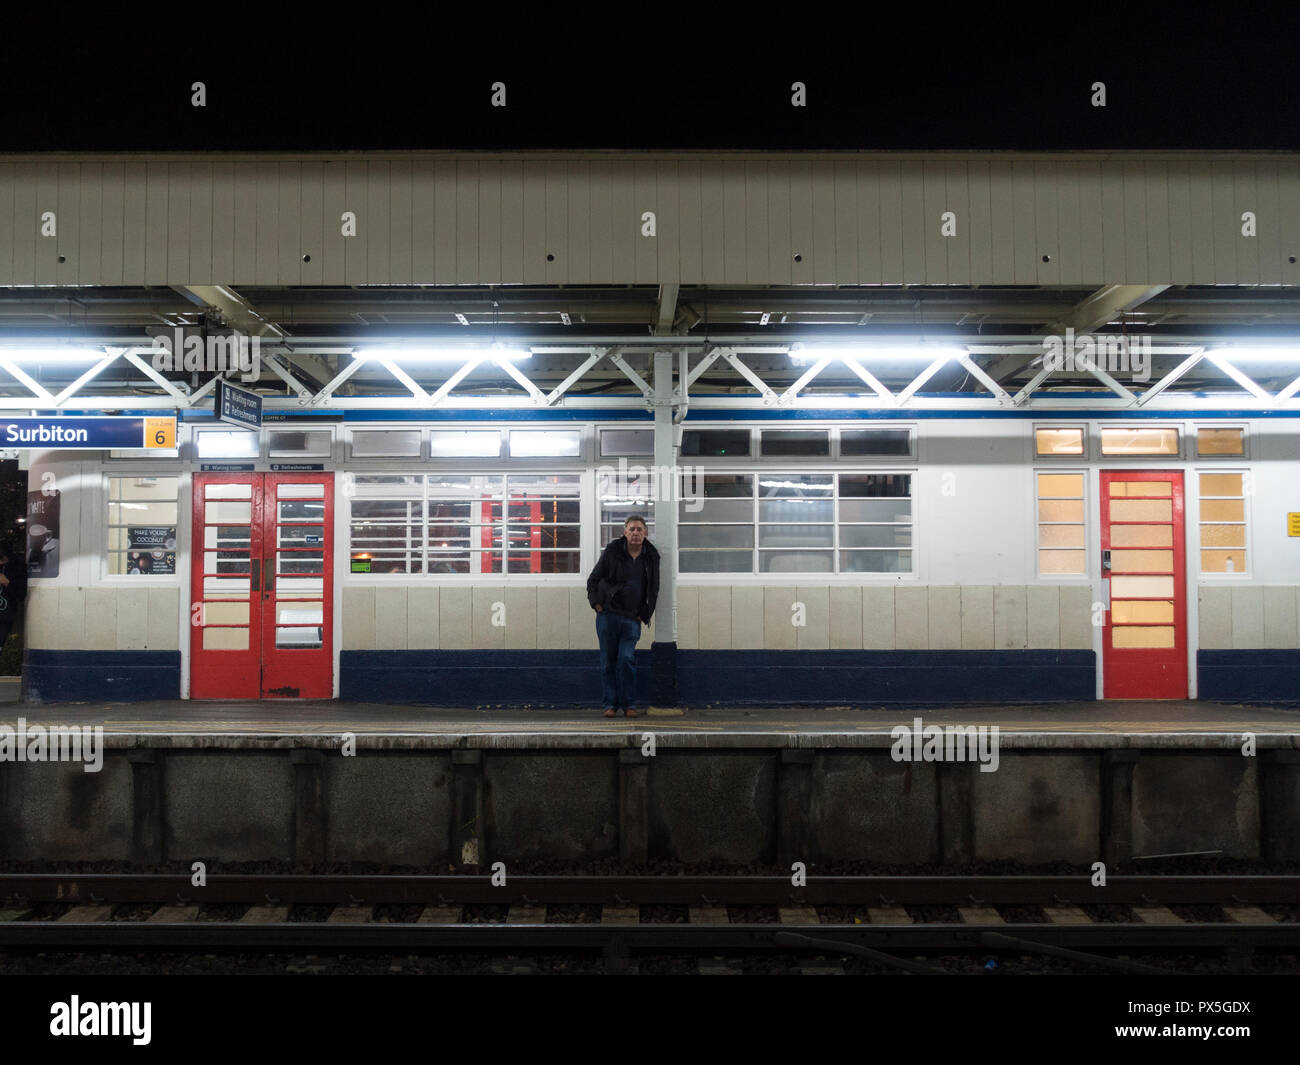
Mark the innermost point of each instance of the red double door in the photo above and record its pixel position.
(262, 586)
(1144, 641)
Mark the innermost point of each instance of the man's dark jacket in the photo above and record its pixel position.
(607, 581)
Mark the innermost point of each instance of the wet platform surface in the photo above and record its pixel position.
(1094, 724)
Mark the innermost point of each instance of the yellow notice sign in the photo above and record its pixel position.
(160, 433)
(1293, 524)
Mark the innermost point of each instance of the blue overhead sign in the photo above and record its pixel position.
(238, 406)
(95, 434)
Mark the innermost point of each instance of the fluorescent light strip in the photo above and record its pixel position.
(1257, 354)
(456, 355)
(51, 355)
(802, 354)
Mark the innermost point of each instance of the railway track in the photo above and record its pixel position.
(880, 918)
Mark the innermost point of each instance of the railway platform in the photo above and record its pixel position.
(307, 783)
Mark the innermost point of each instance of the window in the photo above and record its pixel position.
(1216, 441)
(623, 492)
(386, 443)
(451, 444)
(1062, 549)
(227, 444)
(703, 443)
(875, 522)
(797, 522)
(1139, 441)
(796, 526)
(715, 531)
(615, 443)
(545, 443)
(1223, 523)
(854, 442)
(295, 443)
(791, 442)
(1066, 440)
(141, 523)
(465, 523)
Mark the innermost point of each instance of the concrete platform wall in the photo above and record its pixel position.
(470, 807)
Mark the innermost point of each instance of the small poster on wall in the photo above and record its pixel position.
(43, 533)
(151, 549)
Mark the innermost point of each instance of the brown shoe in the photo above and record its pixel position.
(611, 712)
(631, 713)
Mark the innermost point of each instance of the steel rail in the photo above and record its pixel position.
(659, 938)
(351, 889)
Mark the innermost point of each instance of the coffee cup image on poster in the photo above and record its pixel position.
(150, 549)
(43, 534)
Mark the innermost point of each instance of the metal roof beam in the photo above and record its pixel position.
(1250, 386)
(1169, 378)
(556, 393)
(1103, 306)
(667, 308)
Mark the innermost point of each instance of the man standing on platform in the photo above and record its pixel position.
(622, 589)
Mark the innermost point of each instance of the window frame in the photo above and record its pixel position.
(1083, 456)
(420, 493)
(103, 574)
(835, 575)
(1085, 471)
(1178, 455)
(1196, 445)
(1247, 574)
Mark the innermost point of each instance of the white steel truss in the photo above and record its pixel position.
(416, 388)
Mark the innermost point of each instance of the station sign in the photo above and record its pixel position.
(238, 406)
(106, 433)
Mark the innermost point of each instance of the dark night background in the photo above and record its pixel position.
(986, 77)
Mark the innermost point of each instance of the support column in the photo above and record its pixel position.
(956, 785)
(1117, 807)
(308, 807)
(633, 806)
(794, 835)
(1279, 806)
(146, 806)
(663, 652)
(468, 848)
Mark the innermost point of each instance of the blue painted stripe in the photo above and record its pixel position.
(721, 678)
(479, 678)
(802, 414)
(109, 676)
(523, 414)
(877, 678)
(1249, 676)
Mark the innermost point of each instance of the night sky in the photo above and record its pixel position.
(988, 78)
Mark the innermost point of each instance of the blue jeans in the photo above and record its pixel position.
(618, 636)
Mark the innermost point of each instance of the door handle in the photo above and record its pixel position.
(255, 575)
(270, 576)
(1105, 561)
